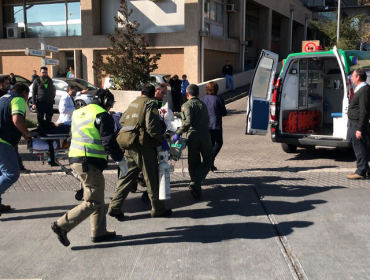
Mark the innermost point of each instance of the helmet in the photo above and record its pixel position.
(104, 97)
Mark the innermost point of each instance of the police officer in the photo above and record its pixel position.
(12, 125)
(195, 121)
(93, 138)
(142, 129)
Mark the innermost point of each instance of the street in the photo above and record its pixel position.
(265, 214)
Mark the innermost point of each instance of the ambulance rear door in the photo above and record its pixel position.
(258, 107)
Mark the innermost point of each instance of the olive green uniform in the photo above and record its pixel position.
(142, 113)
(195, 121)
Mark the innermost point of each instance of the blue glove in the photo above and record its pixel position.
(175, 138)
(165, 146)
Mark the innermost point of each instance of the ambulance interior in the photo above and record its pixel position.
(312, 98)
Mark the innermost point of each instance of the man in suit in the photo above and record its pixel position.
(358, 125)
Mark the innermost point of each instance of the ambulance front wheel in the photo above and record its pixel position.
(145, 197)
(288, 148)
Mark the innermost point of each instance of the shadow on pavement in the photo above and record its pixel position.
(325, 153)
(278, 169)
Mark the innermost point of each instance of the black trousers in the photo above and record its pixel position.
(176, 100)
(360, 147)
(44, 111)
(217, 141)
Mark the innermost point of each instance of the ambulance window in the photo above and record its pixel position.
(262, 78)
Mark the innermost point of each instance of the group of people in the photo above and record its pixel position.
(178, 91)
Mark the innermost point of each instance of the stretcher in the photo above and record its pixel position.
(54, 147)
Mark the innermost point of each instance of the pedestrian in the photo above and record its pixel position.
(12, 126)
(43, 95)
(160, 93)
(358, 123)
(67, 105)
(184, 84)
(93, 138)
(60, 73)
(69, 71)
(34, 76)
(72, 74)
(140, 136)
(175, 84)
(227, 71)
(195, 122)
(4, 85)
(12, 80)
(216, 110)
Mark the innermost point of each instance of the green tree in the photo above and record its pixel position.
(353, 31)
(128, 63)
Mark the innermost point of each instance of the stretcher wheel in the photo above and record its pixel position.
(145, 197)
(79, 195)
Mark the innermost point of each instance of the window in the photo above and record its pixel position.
(214, 11)
(54, 19)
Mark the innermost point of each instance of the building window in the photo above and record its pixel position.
(54, 19)
(214, 11)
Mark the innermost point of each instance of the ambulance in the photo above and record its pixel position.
(308, 104)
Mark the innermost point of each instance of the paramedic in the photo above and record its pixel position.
(12, 126)
(358, 115)
(93, 138)
(195, 121)
(141, 154)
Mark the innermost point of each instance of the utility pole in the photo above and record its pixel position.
(338, 22)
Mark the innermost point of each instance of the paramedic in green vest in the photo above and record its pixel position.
(195, 122)
(12, 126)
(93, 138)
(142, 155)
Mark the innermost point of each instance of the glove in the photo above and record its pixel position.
(165, 146)
(175, 137)
(123, 168)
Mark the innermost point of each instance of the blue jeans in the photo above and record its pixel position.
(230, 80)
(9, 167)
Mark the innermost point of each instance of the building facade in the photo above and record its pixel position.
(195, 37)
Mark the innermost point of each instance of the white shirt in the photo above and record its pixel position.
(360, 86)
(66, 108)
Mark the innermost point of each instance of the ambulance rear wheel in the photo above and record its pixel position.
(288, 148)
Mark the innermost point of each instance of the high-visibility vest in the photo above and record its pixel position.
(86, 138)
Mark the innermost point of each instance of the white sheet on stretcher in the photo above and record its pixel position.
(172, 123)
(41, 145)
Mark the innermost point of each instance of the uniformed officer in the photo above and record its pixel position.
(93, 138)
(140, 136)
(195, 121)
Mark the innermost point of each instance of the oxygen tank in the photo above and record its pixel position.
(164, 176)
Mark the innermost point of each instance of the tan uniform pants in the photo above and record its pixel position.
(93, 184)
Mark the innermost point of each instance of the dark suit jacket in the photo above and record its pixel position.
(359, 108)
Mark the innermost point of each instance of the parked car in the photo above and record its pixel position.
(19, 79)
(309, 100)
(157, 78)
(61, 85)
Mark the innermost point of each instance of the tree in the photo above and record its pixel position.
(353, 31)
(128, 62)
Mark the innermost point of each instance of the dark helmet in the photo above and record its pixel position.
(104, 98)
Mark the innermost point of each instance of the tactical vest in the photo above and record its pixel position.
(86, 138)
(133, 133)
(8, 131)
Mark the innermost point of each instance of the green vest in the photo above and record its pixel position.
(86, 138)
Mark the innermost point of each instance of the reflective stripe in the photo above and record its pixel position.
(125, 128)
(77, 127)
(88, 140)
(6, 95)
(88, 150)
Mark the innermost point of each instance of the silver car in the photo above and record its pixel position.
(61, 85)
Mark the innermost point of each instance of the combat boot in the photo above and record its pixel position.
(62, 234)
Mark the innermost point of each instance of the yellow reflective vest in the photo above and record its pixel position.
(86, 138)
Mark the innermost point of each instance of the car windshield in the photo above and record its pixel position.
(81, 84)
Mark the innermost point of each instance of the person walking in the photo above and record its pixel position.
(184, 84)
(4, 85)
(43, 95)
(12, 126)
(195, 122)
(67, 105)
(93, 138)
(140, 136)
(227, 71)
(175, 84)
(34, 76)
(358, 123)
(216, 110)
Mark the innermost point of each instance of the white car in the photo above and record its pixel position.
(159, 78)
(61, 85)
